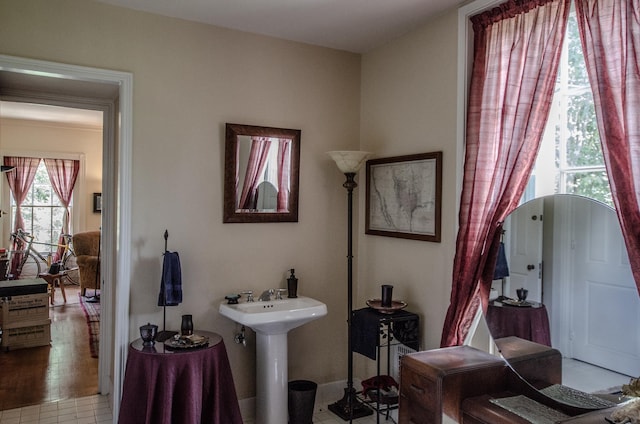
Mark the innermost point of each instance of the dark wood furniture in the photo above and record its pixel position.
(163, 386)
(436, 381)
(459, 382)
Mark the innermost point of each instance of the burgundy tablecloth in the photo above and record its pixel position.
(526, 323)
(185, 387)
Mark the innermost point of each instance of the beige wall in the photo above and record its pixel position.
(409, 106)
(40, 139)
(189, 79)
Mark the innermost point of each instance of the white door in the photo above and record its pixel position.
(524, 235)
(605, 306)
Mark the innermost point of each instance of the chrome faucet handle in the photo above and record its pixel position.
(249, 294)
(279, 293)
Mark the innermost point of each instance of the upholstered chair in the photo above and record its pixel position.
(87, 248)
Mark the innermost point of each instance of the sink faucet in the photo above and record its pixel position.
(266, 295)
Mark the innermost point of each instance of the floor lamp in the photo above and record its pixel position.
(349, 407)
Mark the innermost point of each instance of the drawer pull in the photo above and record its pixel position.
(417, 389)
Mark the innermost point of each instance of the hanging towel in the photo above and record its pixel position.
(502, 268)
(171, 281)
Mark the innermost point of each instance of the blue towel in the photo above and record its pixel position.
(502, 268)
(171, 281)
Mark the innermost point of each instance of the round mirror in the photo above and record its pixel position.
(567, 255)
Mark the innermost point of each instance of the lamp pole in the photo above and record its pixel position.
(349, 407)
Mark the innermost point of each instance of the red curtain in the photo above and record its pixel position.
(516, 54)
(20, 180)
(257, 159)
(610, 36)
(63, 174)
(284, 166)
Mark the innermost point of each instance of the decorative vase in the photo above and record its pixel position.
(148, 333)
(522, 294)
(387, 294)
(186, 328)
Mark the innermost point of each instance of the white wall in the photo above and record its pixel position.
(409, 106)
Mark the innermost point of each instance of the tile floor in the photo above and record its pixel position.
(589, 378)
(85, 410)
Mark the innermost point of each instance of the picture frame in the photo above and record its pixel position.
(97, 202)
(404, 197)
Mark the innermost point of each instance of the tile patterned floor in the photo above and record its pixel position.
(85, 410)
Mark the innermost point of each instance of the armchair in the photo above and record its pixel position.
(86, 245)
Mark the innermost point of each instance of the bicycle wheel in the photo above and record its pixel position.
(30, 268)
(71, 265)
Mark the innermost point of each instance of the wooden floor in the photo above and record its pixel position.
(64, 370)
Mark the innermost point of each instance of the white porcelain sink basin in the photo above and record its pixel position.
(272, 320)
(275, 316)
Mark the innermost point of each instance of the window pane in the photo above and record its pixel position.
(590, 184)
(42, 211)
(583, 143)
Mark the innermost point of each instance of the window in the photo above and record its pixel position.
(570, 158)
(42, 211)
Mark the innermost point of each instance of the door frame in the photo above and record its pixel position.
(116, 213)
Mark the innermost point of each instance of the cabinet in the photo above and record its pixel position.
(374, 335)
(436, 381)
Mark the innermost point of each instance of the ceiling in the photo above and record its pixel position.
(352, 25)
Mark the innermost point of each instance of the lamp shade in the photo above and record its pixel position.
(349, 161)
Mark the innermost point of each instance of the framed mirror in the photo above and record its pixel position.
(568, 252)
(261, 174)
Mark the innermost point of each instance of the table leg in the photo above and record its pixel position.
(52, 293)
(61, 285)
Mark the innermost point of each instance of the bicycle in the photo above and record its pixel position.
(34, 262)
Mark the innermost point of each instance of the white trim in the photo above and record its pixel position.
(116, 217)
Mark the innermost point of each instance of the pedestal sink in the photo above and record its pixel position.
(272, 320)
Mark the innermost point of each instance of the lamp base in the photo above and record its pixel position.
(350, 407)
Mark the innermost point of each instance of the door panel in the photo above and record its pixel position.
(524, 233)
(605, 306)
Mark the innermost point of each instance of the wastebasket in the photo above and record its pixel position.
(302, 398)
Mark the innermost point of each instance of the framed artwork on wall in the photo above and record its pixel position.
(404, 197)
(97, 202)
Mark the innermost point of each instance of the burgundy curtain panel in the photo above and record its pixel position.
(517, 50)
(284, 166)
(610, 36)
(63, 174)
(257, 159)
(20, 180)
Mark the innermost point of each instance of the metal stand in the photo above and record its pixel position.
(350, 407)
(164, 334)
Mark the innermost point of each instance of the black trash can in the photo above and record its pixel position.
(302, 398)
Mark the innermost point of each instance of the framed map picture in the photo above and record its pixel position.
(404, 196)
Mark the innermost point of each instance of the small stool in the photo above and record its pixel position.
(51, 280)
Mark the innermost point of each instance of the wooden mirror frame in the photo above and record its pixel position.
(233, 215)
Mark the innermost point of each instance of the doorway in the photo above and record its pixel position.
(68, 85)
